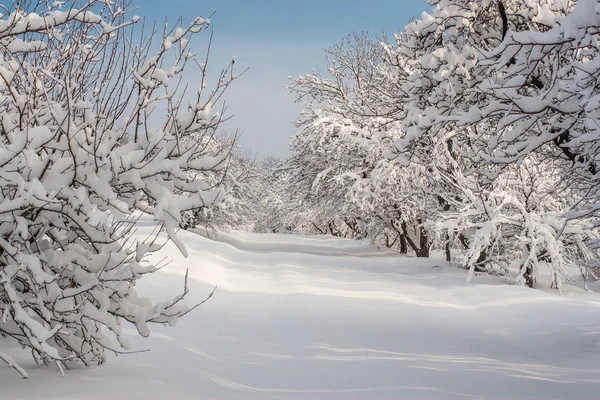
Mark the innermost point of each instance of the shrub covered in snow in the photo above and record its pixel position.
(93, 124)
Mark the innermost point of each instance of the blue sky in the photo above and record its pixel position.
(277, 39)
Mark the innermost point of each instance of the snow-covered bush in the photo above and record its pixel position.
(93, 124)
(518, 223)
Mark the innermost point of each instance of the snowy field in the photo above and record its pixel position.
(322, 318)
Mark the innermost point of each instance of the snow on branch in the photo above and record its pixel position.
(95, 122)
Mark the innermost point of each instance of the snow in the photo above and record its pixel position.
(303, 317)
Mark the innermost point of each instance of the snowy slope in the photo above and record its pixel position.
(322, 318)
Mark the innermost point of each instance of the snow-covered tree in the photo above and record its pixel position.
(539, 94)
(478, 124)
(273, 203)
(340, 160)
(94, 123)
(435, 62)
(490, 109)
(243, 191)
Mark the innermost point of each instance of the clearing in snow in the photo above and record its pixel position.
(303, 317)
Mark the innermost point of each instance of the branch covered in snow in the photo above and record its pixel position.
(95, 122)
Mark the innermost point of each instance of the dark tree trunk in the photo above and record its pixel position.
(334, 232)
(403, 244)
(529, 279)
(422, 250)
(321, 231)
(423, 243)
(353, 225)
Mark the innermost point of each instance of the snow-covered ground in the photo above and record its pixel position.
(322, 318)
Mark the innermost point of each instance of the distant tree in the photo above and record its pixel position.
(340, 164)
(242, 186)
(273, 202)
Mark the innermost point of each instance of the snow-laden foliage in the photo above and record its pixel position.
(243, 191)
(273, 199)
(347, 185)
(512, 211)
(541, 94)
(93, 125)
(437, 64)
(478, 127)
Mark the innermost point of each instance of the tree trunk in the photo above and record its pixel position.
(353, 225)
(529, 279)
(423, 243)
(321, 231)
(334, 232)
(447, 247)
(482, 255)
(403, 244)
(423, 252)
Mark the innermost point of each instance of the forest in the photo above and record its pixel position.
(467, 143)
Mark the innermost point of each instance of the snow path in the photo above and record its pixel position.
(322, 318)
